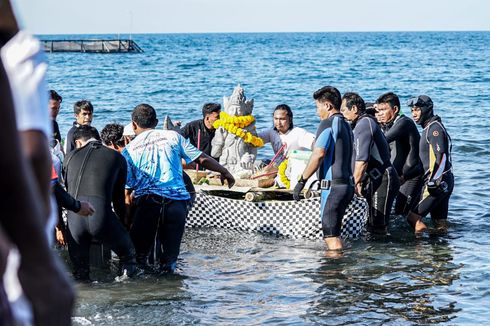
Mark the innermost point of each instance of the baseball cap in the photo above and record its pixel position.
(128, 130)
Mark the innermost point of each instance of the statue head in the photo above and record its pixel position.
(237, 104)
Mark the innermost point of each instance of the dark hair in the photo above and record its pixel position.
(85, 133)
(352, 99)
(82, 105)
(389, 98)
(144, 116)
(113, 134)
(53, 95)
(289, 113)
(209, 108)
(329, 93)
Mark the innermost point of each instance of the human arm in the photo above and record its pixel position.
(360, 168)
(439, 149)
(210, 163)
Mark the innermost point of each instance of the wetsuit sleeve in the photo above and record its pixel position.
(398, 131)
(413, 166)
(438, 145)
(324, 135)
(64, 199)
(363, 138)
(118, 199)
(187, 151)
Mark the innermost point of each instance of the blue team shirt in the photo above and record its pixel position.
(155, 166)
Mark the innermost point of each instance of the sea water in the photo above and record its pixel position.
(229, 277)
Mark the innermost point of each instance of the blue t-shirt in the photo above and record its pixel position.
(155, 166)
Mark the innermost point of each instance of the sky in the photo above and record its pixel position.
(209, 16)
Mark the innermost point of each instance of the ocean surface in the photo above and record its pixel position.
(228, 277)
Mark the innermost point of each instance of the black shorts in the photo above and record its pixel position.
(334, 202)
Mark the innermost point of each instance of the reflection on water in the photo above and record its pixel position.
(387, 282)
(254, 279)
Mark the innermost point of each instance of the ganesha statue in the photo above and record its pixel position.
(235, 141)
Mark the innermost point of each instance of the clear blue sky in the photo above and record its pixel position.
(200, 16)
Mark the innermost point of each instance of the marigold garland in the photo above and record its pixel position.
(234, 125)
(282, 173)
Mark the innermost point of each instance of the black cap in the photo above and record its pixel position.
(421, 101)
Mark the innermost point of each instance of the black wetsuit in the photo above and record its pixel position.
(435, 154)
(56, 131)
(191, 131)
(380, 183)
(97, 174)
(69, 141)
(335, 136)
(403, 137)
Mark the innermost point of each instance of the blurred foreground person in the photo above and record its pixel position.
(22, 220)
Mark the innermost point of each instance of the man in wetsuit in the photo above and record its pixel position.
(435, 154)
(155, 175)
(97, 174)
(332, 153)
(201, 132)
(84, 112)
(403, 137)
(374, 176)
(55, 100)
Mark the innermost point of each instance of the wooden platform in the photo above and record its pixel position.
(92, 46)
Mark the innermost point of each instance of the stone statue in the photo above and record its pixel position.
(233, 152)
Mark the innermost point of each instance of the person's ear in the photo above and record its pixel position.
(134, 125)
(396, 109)
(78, 143)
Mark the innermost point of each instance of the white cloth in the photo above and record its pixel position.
(25, 63)
(296, 138)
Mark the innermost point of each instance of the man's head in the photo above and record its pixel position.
(327, 99)
(210, 113)
(54, 103)
(352, 106)
(422, 109)
(112, 136)
(387, 107)
(83, 112)
(143, 117)
(83, 134)
(283, 118)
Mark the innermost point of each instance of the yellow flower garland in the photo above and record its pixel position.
(282, 173)
(234, 125)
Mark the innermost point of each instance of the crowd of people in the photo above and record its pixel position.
(126, 187)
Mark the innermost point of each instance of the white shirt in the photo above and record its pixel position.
(25, 64)
(296, 138)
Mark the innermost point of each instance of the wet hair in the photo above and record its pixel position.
(352, 99)
(209, 108)
(113, 134)
(53, 95)
(389, 98)
(289, 113)
(82, 105)
(84, 133)
(329, 93)
(144, 116)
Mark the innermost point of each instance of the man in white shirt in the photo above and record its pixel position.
(284, 136)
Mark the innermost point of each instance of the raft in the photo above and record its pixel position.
(221, 208)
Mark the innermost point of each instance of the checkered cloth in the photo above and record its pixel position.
(296, 219)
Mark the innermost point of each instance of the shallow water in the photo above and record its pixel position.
(229, 277)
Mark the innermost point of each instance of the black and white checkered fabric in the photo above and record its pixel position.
(296, 219)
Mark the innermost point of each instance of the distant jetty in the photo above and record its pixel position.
(92, 46)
